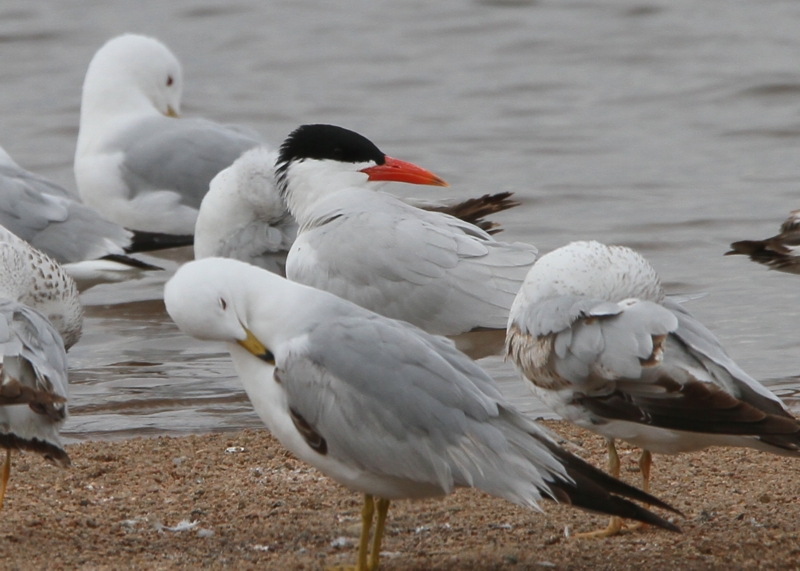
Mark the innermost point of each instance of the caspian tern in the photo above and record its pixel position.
(379, 405)
(601, 344)
(136, 162)
(243, 216)
(435, 271)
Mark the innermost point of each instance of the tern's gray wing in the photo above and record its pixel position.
(433, 270)
(181, 155)
(34, 371)
(49, 218)
(395, 403)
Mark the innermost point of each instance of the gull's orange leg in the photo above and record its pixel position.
(614, 523)
(5, 474)
(645, 463)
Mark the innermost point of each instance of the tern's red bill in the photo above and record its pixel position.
(401, 171)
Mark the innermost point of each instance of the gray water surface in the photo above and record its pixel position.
(668, 126)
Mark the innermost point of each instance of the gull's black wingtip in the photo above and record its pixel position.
(594, 490)
(151, 241)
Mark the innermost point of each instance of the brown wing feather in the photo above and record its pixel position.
(692, 406)
(14, 392)
(312, 438)
(474, 210)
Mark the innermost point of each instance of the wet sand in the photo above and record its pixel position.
(250, 505)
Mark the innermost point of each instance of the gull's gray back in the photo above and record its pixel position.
(402, 403)
(181, 155)
(46, 216)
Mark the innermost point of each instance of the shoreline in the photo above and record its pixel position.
(251, 505)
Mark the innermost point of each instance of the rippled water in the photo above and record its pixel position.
(669, 126)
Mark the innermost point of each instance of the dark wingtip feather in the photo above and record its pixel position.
(52, 452)
(131, 262)
(594, 490)
(745, 248)
(474, 210)
(149, 241)
(586, 495)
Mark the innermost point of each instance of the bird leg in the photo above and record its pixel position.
(4, 475)
(380, 523)
(645, 462)
(615, 523)
(366, 525)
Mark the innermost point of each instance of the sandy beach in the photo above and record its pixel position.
(240, 501)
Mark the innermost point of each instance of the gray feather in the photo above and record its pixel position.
(46, 216)
(151, 163)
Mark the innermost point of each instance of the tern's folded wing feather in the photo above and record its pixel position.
(426, 268)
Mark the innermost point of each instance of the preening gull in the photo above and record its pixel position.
(379, 405)
(440, 273)
(40, 317)
(601, 344)
(136, 162)
(243, 216)
(91, 249)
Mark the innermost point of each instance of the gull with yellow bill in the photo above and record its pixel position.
(379, 405)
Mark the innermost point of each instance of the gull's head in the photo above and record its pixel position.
(205, 300)
(132, 74)
(220, 299)
(316, 160)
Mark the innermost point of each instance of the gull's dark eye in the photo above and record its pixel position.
(223, 304)
(169, 80)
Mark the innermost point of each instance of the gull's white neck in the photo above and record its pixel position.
(107, 104)
(277, 310)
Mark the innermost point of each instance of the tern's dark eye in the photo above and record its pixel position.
(169, 80)
(223, 304)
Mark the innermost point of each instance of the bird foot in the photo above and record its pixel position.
(615, 527)
(347, 568)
